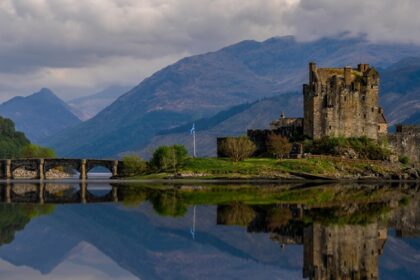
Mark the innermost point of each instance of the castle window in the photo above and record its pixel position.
(330, 127)
(364, 115)
(345, 98)
(373, 109)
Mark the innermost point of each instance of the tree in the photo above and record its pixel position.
(169, 158)
(11, 141)
(35, 151)
(278, 146)
(133, 165)
(237, 148)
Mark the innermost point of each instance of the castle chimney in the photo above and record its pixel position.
(347, 75)
(312, 70)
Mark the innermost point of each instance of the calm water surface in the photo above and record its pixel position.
(155, 231)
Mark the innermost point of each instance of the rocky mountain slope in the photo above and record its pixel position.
(203, 85)
(400, 91)
(39, 115)
(400, 97)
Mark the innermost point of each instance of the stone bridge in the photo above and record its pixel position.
(42, 166)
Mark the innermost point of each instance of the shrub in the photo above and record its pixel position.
(35, 151)
(169, 158)
(404, 159)
(133, 165)
(237, 148)
(236, 213)
(278, 146)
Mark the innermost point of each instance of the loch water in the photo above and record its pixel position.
(107, 230)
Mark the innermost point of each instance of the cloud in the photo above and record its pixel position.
(78, 47)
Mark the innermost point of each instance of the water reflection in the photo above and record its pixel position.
(343, 229)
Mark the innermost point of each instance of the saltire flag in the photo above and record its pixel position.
(192, 131)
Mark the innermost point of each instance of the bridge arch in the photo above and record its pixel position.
(110, 165)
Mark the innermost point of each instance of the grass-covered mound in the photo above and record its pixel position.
(352, 147)
(219, 168)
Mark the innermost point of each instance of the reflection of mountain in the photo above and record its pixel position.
(337, 238)
(137, 241)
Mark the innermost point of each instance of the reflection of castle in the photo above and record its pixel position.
(343, 251)
(331, 251)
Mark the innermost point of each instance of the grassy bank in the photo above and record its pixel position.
(216, 168)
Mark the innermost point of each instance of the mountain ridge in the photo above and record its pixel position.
(39, 115)
(202, 85)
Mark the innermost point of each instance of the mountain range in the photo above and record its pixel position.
(39, 115)
(203, 85)
(87, 107)
(225, 92)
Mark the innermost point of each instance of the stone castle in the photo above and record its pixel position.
(340, 102)
(343, 102)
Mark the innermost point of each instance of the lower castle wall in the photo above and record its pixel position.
(406, 142)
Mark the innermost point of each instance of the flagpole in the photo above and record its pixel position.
(194, 143)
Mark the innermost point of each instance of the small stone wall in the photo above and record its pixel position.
(406, 142)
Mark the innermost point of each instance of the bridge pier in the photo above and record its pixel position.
(41, 169)
(83, 169)
(115, 168)
(6, 169)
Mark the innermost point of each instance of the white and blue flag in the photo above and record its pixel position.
(192, 131)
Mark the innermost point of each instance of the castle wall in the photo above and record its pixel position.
(406, 142)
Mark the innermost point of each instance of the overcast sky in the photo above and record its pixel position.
(78, 47)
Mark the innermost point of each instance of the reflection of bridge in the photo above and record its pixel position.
(44, 193)
(42, 166)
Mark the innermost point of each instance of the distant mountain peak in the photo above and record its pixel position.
(39, 115)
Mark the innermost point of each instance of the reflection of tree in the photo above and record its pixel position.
(14, 217)
(235, 214)
(168, 203)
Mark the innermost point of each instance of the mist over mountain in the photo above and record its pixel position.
(39, 115)
(202, 85)
(88, 106)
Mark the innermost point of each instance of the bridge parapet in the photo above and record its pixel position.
(42, 166)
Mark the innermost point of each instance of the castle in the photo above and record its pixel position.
(340, 102)
(343, 102)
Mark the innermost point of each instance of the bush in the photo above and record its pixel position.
(237, 148)
(404, 160)
(35, 151)
(169, 158)
(278, 146)
(133, 165)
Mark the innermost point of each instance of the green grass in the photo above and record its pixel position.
(217, 168)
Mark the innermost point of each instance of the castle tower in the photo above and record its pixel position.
(343, 102)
